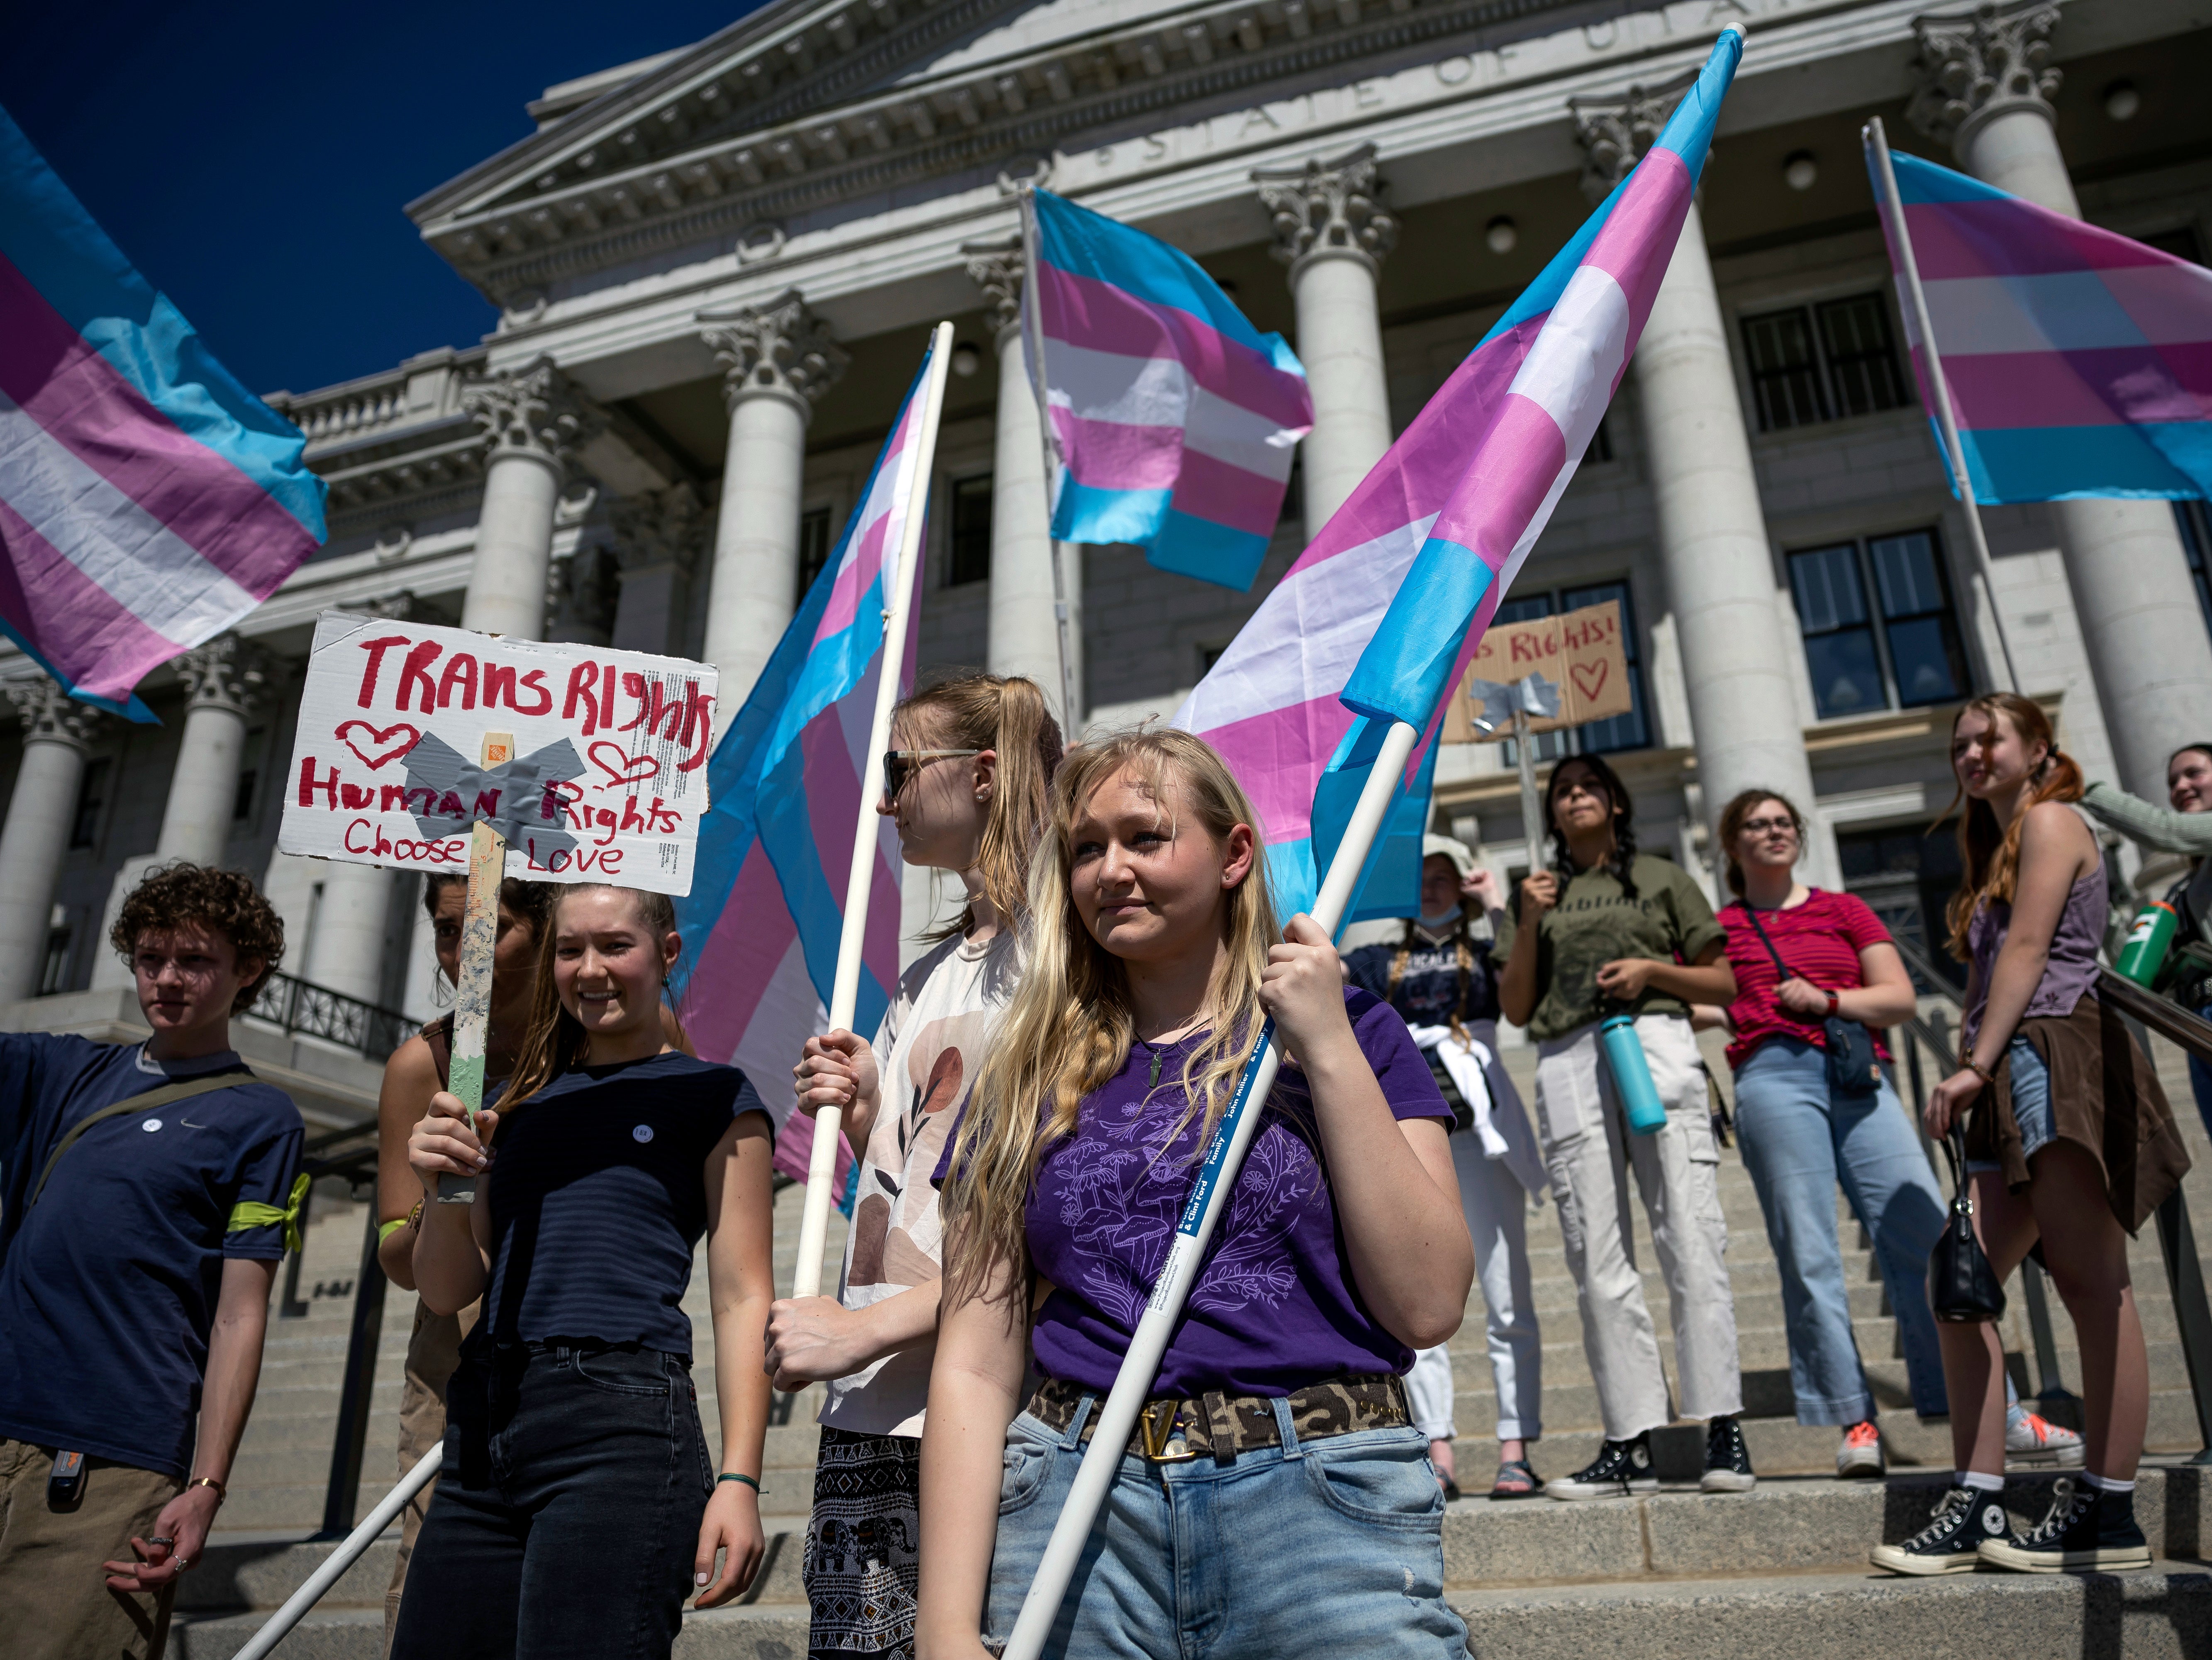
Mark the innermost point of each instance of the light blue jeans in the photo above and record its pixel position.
(1331, 1549)
(1800, 1140)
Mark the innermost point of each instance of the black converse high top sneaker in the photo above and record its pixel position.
(1952, 1540)
(1727, 1461)
(2086, 1530)
(1620, 1470)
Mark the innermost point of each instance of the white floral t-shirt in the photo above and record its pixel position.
(927, 1049)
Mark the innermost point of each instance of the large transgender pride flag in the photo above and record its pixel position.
(1175, 417)
(767, 901)
(1379, 617)
(2080, 363)
(148, 500)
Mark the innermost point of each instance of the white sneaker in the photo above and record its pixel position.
(2034, 1442)
(1860, 1451)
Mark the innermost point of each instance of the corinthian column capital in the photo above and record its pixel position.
(51, 715)
(532, 411)
(669, 527)
(1979, 65)
(225, 672)
(1328, 209)
(778, 349)
(997, 269)
(1616, 129)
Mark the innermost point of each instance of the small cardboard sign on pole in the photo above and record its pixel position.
(590, 766)
(1581, 653)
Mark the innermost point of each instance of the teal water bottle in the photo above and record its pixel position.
(1632, 1073)
(2149, 941)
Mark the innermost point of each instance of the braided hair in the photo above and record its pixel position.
(1624, 822)
(1463, 950)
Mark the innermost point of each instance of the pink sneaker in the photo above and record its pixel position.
(1861, 1452)
(2034, 1442)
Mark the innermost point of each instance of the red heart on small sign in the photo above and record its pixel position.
(1589, 678)
(625, 768)
(413, 736)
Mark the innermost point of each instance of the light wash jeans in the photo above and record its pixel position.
(1335, 1547)
(1800, 1140)
(1496, 1208)
(1590, 1153)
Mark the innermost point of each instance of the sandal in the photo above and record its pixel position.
(1515, 1480)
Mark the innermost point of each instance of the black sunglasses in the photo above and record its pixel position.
(900, 765)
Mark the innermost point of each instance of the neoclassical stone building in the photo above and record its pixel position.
(716, 269)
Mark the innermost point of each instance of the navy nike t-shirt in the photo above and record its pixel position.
(108, 1284)
(598, 1196)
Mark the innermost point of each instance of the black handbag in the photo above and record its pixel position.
(1962, 1286)
(1852, 1067)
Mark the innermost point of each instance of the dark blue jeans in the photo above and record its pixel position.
(567, 1513)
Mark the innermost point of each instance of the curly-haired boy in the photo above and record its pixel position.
(148, 1192)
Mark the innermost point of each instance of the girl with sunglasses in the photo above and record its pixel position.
(968, 786)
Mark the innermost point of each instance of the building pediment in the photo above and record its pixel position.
(807, 103)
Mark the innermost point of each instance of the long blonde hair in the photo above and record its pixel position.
(1006, 715)
(1069, 1025)
(1990, 851)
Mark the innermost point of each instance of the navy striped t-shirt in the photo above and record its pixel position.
(598, 1196)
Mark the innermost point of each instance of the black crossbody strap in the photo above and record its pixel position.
(180, 1090)
(1781, 967)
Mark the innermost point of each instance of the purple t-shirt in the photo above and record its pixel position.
(1273, 1308)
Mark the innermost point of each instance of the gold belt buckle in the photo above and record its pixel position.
(1159, 1432)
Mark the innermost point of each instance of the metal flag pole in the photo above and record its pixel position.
(1216, 1175)
(1055, 465)
(345, 1556)
(845, 990)
(1893, 206)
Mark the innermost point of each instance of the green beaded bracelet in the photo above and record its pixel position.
(735, 1475)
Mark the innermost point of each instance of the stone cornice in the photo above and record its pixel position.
(227, 672)
(514, 241)
(1980, 63)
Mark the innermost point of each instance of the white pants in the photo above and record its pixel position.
(1588, 1150)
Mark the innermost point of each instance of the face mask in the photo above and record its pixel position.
(1440, 924)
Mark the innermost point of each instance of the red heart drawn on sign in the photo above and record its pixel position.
(1589, 678)
(625, 768)
(413, 736)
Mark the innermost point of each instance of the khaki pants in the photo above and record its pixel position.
(434, 1349)
(54, 1599)
(1589, 1151)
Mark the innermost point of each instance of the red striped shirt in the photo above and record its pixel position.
(1819, 942)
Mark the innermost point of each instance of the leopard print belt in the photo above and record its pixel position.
(1171, 1429)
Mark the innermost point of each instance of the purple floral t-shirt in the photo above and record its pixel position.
(1273, 1308)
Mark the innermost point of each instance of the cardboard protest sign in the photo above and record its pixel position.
(1581, 653)
(606, 780)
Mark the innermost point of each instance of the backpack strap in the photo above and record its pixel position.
(439, 1037)
(184, 1090)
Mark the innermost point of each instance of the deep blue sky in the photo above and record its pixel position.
(252, 158)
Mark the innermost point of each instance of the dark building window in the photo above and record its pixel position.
(1877, 624)
(969, 554)
(2180, 242)
(813, 548)
(2195, 524)
(249, 776)
(1907, 877)
(91, 802)
(1600, 446)
(1632, 731)
(54, 975)
(1814, 363)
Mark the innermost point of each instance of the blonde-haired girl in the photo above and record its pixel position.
(968, 787)
(2055, 1086)
(1279, 1428)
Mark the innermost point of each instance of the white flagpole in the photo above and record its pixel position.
(845, 990)
(1033, 349)
(1939, 389)
(1216, 1175)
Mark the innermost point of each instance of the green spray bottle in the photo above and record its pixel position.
(2148, 942)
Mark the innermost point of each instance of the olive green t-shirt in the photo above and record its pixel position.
(1594, 922)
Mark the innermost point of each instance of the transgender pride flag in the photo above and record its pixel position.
(148, 500)
(766, 900)
(1176, 418)
(2079, 362)
(1379, 617)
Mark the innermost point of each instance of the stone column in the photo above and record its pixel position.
(1713, 530)
(532, 419)
(345, 945)
(1025, 636)
(1987, 84)
(57, 731)
(780, 360)
(224, 679)
(1333, 231)
(659, 536)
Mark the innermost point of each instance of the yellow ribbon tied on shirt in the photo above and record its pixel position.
(252, 1214)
